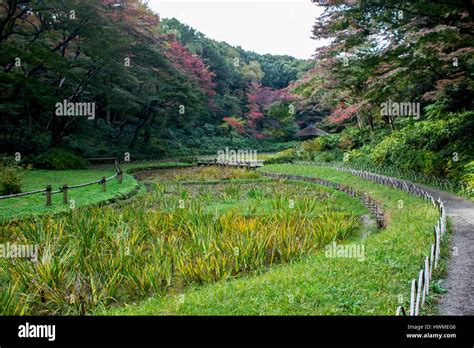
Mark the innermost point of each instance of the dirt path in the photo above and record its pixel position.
(459, 300)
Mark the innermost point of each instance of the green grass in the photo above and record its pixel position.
(35, 205)
(38, 179)
(318, 285)
(439, 183)
(153, 245)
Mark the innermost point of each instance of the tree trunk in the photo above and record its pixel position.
(107, 102)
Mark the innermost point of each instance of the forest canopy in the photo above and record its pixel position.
(158, 86)
(393, 87)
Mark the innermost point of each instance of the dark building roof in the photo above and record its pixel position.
(310, 131)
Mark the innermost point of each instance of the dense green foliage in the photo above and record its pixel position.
(59, 159)
(163, 89)
(108, 78)
(159, 88)
(396, 85)
(11, 178)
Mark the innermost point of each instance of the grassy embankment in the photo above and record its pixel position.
(35, 205)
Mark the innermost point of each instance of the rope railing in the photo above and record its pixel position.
(21, 194)
(420, 287)
(48, 192)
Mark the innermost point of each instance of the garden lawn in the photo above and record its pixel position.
(38, 179)
(318, 285)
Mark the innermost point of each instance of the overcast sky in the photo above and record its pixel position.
(263, 26)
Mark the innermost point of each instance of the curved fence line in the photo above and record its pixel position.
(155, 161)
(458, 187)
(48, 191)
(249, 164)
(420, 286)
(21, 194)
(365, 198)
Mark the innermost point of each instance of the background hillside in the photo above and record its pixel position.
(160, 88)
(163, 89)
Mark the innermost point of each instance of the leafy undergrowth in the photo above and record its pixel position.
(164, 241)
(318, 284)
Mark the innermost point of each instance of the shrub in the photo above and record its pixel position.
(346, 142)
(60, 159)
(280, 159)
(329, 142)
(382, 153)
(359, 156)
(310, 148)
(351, 138)
(11, 179)
(328, 156)
(469, 176)
(284, 156)
(439, 148)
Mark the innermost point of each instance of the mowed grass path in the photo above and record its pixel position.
(318, 285)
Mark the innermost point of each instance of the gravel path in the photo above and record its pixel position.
(459, 282)
(459, 300)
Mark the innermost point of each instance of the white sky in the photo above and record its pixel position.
(263, 26)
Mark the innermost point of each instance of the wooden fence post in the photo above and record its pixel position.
(48, 195)
(65, 198)
(104, 184)
(119, 177)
